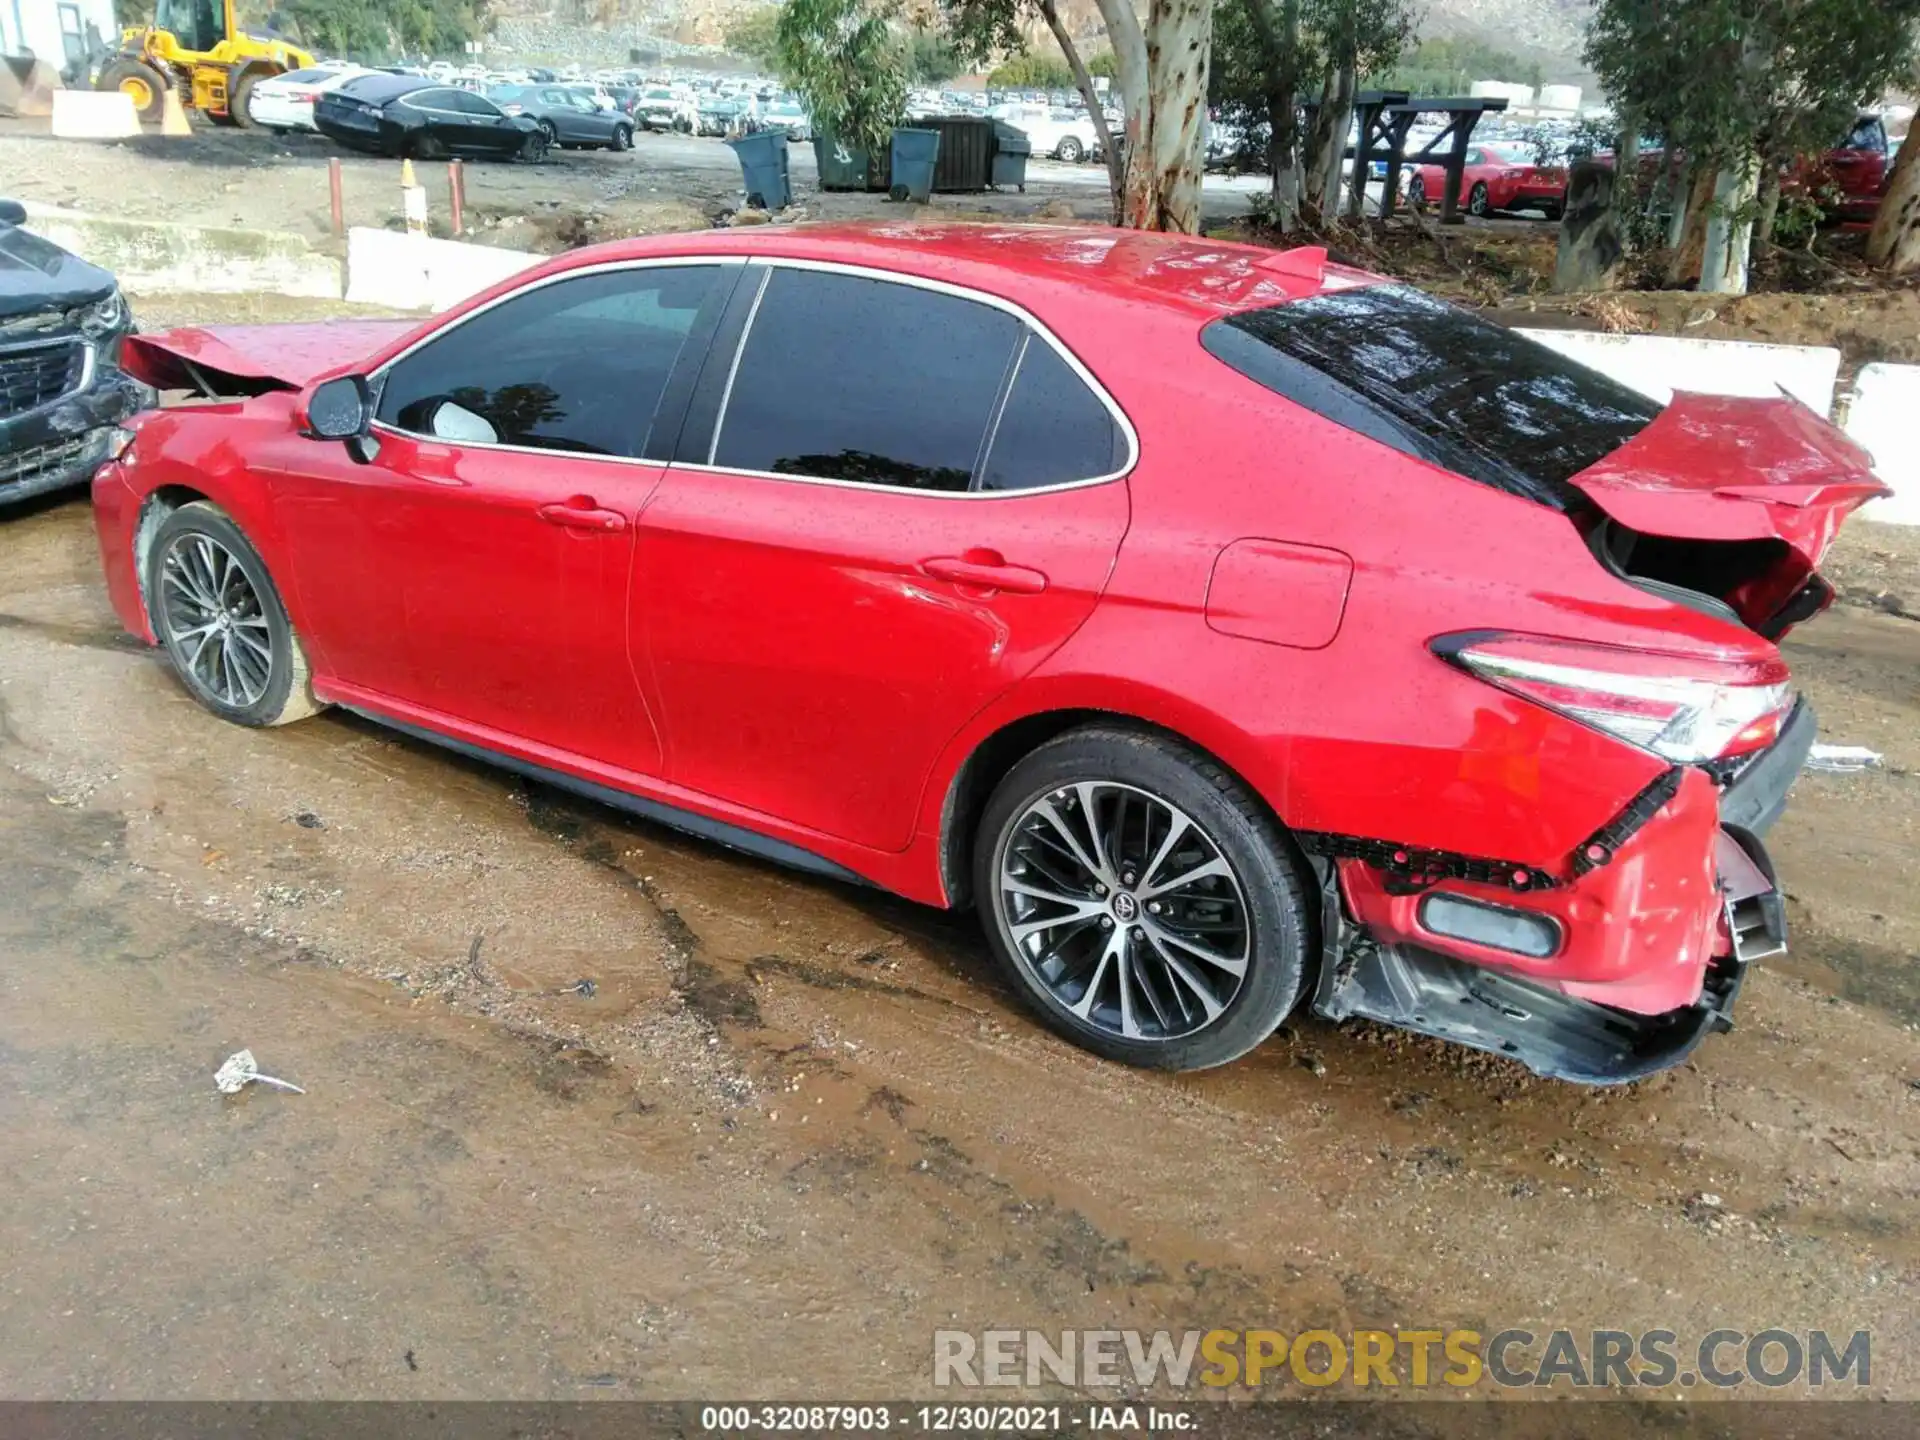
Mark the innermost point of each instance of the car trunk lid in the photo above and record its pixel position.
(1736, 497)
(252, 359)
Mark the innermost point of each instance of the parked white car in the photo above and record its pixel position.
(667, 107)
(285, 102)
(1059, 133)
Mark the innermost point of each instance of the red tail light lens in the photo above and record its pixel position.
(1681, 707)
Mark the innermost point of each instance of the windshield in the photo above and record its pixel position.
(1438, 383)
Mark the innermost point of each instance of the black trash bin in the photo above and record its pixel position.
(1011, 151)
(966, 154)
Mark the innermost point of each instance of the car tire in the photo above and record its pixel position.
(1417, 192)
(146, 85)
(534, 148)
(240, 101)
(1478, 202)
(427, 146)
(622, 138)
(202, 572)
(549, 133)
(1070, 151)
(1101, 976)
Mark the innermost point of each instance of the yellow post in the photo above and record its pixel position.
(413, 200)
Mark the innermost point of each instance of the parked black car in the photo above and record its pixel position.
(566, 117)
(61, 390)
(409, 115)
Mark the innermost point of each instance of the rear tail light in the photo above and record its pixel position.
(302, 99)
(1684, 708)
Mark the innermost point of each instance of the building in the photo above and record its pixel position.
(63, 33)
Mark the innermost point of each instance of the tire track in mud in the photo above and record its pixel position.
(1053, 1250)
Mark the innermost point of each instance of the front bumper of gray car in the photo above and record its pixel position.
(61, 396)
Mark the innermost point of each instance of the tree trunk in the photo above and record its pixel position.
(1280, 64)
(1326, 146)
(1895, 238)
(1626, 186)
(1167, 136)
(1688, 232)
(1768, 207)
(1676, 179)
(1116, 161)
(1723, 258)
(1130, 78)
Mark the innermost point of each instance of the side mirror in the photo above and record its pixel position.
(339, 409)
(12, 212)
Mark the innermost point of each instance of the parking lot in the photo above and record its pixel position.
(667, 182)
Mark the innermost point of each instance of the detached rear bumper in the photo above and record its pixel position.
(1636, 957)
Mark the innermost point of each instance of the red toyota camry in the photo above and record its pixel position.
(1229, 628)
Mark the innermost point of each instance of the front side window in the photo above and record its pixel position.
(848, 378)
(1434, 381)
(576, 365)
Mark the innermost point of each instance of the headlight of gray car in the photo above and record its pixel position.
(103, 318)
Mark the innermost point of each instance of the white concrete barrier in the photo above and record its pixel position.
(416, 272)
(1885, 417)
(150, 257)
(1658, 365)
(94, 115)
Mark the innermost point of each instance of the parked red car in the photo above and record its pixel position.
(1498, 176)
(1229, 627)
(1848, 181)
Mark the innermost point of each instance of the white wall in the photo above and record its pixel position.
(1658, 365)
(415, 272)
(1885, 417)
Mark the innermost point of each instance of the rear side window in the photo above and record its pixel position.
(1053, 430)
(1433, 381)
(577, 365)
(846, 378)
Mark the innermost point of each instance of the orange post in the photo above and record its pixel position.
(339, 208)
(457, 191)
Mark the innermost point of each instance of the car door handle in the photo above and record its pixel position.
(985, 570)
(580, 513)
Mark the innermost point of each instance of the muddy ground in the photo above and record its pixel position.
(790, 1128)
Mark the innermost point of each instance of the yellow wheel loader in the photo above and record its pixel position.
(199, 49)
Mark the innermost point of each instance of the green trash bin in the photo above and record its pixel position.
(763, 168)
(915, 153)
(1011, 151)
(842, 166)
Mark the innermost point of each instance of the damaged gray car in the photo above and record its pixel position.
(61, 390)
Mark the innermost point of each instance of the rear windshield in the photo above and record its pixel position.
(381, 86)
(1435, 382)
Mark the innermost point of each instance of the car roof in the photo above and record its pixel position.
(1041, 264)
(378, 85)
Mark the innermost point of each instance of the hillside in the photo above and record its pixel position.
(605, 31)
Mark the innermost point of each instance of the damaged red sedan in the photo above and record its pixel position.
(1232, 630)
